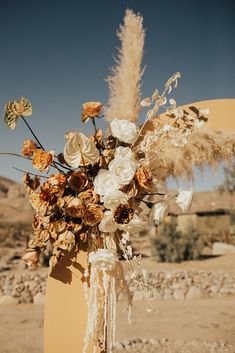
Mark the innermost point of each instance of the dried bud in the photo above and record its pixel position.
(91, 110)
(144, 177)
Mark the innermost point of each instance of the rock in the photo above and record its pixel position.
(222, 248)
(178, 294)
(8, 299)
(167, 295)
(25, 297)
(194, 293)
(138, 295)
(39, 298)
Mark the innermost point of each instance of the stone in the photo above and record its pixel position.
(194, 293)
(39, 298)
(167, 295)
(222, 248)
(138, 295)
(178, 294)
(8, 299)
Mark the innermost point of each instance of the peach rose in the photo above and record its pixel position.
(42, 160)
(31, 258)
(144, 177)
(91, 110)
(89, 196)
(75, 208)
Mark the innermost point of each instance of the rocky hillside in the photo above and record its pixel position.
(14, 204)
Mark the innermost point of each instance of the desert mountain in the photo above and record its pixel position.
(14, 203)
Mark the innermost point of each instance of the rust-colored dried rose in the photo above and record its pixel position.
(40, 238)
(89, 196)
(78, 181)
(31, 184)
(47, 197)
(36, 223)
(130, 189)
(144, 177)
(42, 160)
(111, 142)
(91, 110)
(56, 184)
(93, 214)
(29, 146)
(75, 208)
(75, 227)
(123, 214)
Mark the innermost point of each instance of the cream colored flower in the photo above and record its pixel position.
(103, 259)
(114, 198)
(157, 212)
(104, 182)
(75, 208)
(124, 130)
(122, 170)
(184, 199)
(65, 241)
(80, 150)
(108, 225)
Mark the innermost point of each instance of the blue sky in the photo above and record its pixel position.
(58, 53)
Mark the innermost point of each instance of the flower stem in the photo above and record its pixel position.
(23, 171)
(94, 124)
(39, 143)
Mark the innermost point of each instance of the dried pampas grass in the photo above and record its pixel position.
(204, 147)
(125, 81)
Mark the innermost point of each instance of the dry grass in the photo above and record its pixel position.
(125, 80)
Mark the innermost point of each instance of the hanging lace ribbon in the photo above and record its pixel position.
(106, 274)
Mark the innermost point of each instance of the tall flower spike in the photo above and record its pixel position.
(125, 81)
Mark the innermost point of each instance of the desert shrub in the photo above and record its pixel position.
(171, 245)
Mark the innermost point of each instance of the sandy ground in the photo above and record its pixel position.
(21, 326)
(208, 319)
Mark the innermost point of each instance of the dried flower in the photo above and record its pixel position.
(75, 208)
(111, 142)
(14, 109)
(99, 138)
(157, 212)
(108, 225)
(144, 177)
(42, 160)
(78, 181)
(56, 184)
(93, 214)
(135, 225)
(65, 241)
(31, 258)
(40, 238)
(184, 199)
(108, 155)
(130, 189)
(89, 196)
(31, 184)
(83, 237)
(28, 148)
(91, 110)
(123, 214)
(80, 150)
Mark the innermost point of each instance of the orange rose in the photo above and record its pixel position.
(144, 177)
(56, 184)
(42, 160)
(91, 110)
(93, 214)
(31, 258)
(29, 146)
(31, 184)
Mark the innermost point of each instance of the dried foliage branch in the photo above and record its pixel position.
(125, 80)
(204, 147)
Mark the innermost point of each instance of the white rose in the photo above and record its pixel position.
(108, 225)
(122, 170)
(103, 259)
(124, 130)
(184, 199)
(104, 182)
(114, 198)
(135, 225)
(79, 149)
(157, 212)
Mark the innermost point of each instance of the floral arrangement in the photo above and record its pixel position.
(101, 182)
